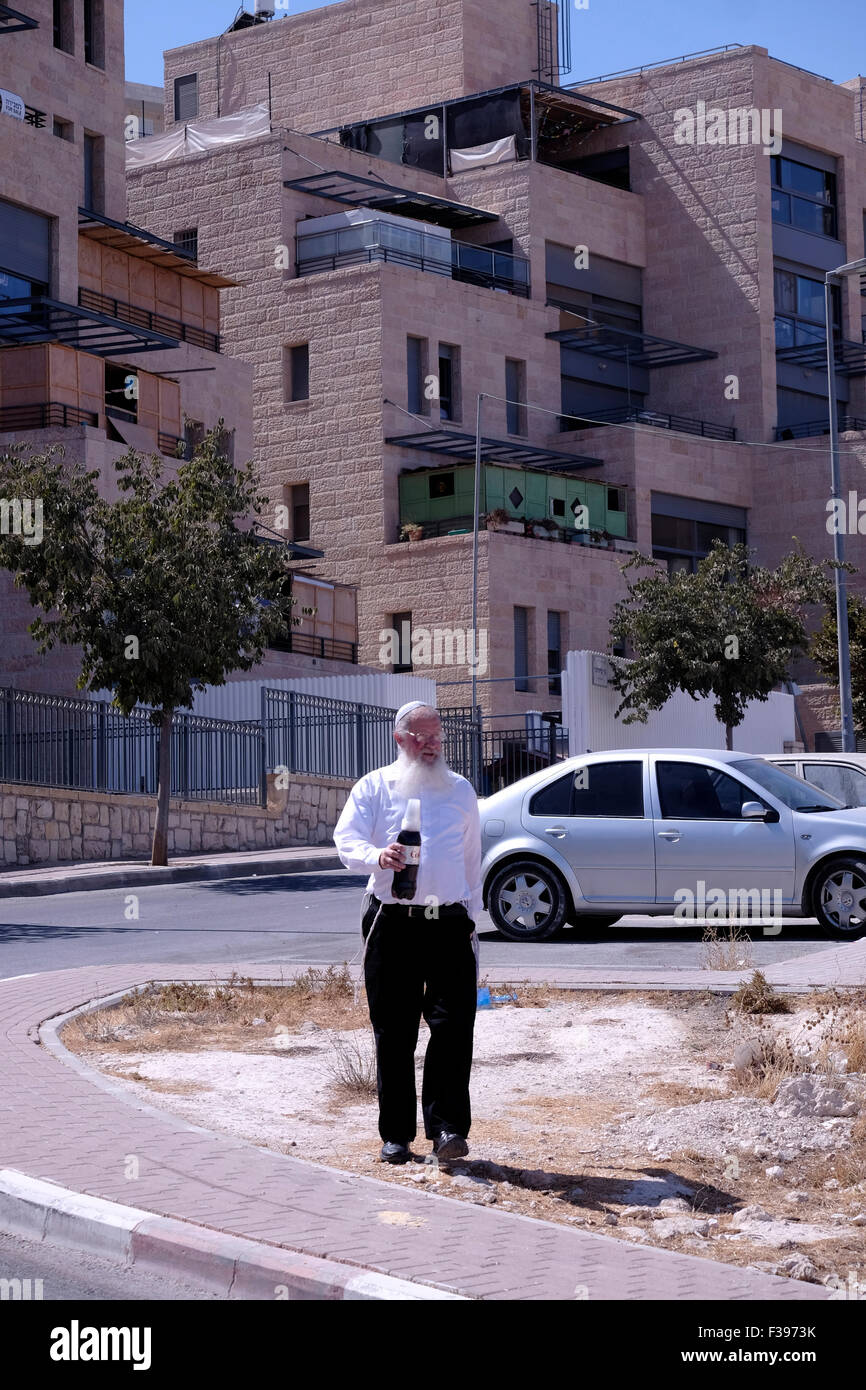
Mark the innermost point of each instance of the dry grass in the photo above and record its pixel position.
(351, 1066)
(673, 1093)
(726, 948)
(756, 996)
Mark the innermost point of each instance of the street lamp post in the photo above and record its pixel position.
(475, 509)
(832, 278)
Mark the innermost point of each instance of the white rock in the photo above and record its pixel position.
(859, 1219)
(611, 1219)
(775, 1172)
(796, 1197)
(831, 1185)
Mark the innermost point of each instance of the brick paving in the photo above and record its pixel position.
(61, 1122)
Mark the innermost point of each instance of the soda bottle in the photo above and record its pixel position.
(405, 879)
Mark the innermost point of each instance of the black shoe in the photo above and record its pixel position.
(450, 1146)
(394, 1153)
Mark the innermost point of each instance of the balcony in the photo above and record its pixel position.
(38, 319)
(308, 644)
(625, 345)
(381, 239)
(170, 328)
(45, 415)
(633, 414)
(810, 428)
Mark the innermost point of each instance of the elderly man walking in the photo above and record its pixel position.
(420, 956)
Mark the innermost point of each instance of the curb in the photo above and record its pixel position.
(143, 875)
(230, 1266)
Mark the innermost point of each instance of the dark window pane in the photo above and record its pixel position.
(521, 648)
(301, 372)
(785, 290)
(810, 299)
(802, 178)
(784, 333)
(186, 97)
(691, 791)
(414, 375)
(441, 484)
(554, 799)
(609, 789)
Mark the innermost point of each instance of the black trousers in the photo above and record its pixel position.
(417, 967)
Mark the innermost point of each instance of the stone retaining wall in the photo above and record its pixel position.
(49, 825)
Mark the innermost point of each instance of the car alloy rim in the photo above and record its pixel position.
(524, 899)
(843, 899)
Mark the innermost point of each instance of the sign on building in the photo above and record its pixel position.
(11, 105)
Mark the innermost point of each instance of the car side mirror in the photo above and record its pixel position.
(753, 810)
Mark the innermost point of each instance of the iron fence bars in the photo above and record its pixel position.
(87, 745)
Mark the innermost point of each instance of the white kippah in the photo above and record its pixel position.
(407, 709)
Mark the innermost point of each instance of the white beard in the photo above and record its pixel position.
(421, 780)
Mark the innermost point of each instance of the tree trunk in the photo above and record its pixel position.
(729, 737)
(159, 855)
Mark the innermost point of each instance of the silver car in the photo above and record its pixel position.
(661, 830)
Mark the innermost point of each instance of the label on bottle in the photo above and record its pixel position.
(411, 854)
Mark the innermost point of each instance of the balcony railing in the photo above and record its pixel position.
(170, 444)
(146, 318)
(632, 414)
(384, 241)
(45, 415)
(308, 644)
(809, 428)
(595, 536)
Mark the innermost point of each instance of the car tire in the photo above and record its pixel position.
(594, 921)
(527, 889)
(839, 896)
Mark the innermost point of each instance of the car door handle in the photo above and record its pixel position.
(669, 834)
(557, 831)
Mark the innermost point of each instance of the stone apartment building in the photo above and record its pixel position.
(110, 335)
(424, 215)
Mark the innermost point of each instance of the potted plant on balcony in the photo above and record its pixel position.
(411, 531)
(547, 526)
(500, 520)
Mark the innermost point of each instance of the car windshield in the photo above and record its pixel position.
(793, 791)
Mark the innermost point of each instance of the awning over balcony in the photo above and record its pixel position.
(624, 345)
(462, 447)
(355, 192)
(40, 320)
(850, 357)
(135, 241)
(12, 21)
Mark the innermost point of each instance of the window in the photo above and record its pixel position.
(187, 240)
(840, 780)
(25, 253)
(440, 485)
(554, 799)
(803, 196)
(93, 172)
(94, 33)
(186, 97)
(299, 503)
(449, 382)
(683, 529)
(691, 791)
(63, 129)
(121, 392)
(401, 623)
(605, 290)
(521, 648)
(800, 309)
(609, 789)
(554, 653)
(296, 372)
(64, 26)
(416, 370)
(515, 395)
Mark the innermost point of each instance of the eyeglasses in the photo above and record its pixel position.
(428, 740)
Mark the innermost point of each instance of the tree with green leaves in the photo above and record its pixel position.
(825, 654)
(162, 589)
(730, 630)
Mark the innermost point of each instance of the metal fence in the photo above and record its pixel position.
(87, 745)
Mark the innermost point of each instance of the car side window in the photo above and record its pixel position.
(554, 799)
(692, 791)
(609, 789)
(847, 783)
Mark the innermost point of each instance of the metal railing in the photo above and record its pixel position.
(44, 415)
(87, 745)
(146, 318)
(812, 427)
(310, 644)
(632, 414)
(382, 241)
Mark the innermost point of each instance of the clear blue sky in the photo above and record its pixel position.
(828, 37)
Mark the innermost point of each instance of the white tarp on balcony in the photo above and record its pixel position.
(196, 137)
(477, 156)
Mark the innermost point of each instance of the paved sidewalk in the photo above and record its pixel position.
(135, 873)
(61, 1122)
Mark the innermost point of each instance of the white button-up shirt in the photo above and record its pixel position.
(450, 867)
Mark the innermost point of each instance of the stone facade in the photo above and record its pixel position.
(44, 825)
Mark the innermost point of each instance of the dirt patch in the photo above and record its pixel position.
(672, 1120)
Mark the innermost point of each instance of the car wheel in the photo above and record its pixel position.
(594, 921)
(527, 900)
(839, 898)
